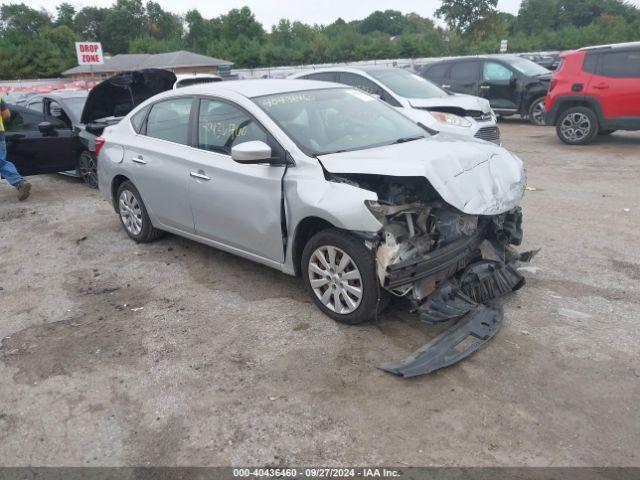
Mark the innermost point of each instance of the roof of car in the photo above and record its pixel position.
(611, 46)
(64, 94)
(257, 88)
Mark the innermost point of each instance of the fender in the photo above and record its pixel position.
(562, 103)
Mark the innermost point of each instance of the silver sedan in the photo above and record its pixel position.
(330, 184)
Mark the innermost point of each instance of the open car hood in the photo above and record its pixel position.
(473, 176)
(465, 102)
(118, 95)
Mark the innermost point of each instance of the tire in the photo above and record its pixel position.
(577, 126)
(536, 112)
(605, 132)
(329, 276)
(133, 214)
(87, 169)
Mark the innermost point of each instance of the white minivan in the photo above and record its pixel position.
(419, 99)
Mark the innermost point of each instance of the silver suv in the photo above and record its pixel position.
(330, 184)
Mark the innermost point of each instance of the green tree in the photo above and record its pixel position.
(469, 18)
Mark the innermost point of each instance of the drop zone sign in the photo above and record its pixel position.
(89, 53)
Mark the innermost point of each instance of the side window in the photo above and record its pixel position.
(35, 105)
(495, 72)
(138, 119)
(464, 72)
(624, 64)
(57, 112)
(169, 120)
(360, 82)
(222, 125)
(590, 63)
(437, 71)
(323, 76)
(23, 119)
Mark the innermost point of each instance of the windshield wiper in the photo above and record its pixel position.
(407, 139)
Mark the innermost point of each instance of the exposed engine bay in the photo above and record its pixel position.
(448, 264)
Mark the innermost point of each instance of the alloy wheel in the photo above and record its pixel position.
(575, 126)
(87, 169)
(130, 212)
(538, 113)
(335, 279)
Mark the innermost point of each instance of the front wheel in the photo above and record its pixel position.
(87, 169)
(339, 273)
(133, 215)
(536, 112)
(577, 126)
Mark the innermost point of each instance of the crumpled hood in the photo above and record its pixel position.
(118, 95)
(473, 176)
(467, 102)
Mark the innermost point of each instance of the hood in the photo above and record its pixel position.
(118, 95)
(468, 103)
(473, 176)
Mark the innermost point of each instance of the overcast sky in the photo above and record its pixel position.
(270, 11)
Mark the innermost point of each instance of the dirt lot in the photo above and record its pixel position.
(177, 354)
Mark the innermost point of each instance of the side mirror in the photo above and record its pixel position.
(251, 152)
(46, 128)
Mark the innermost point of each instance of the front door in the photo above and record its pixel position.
(34, 152)
(499, 86)
(234, 204)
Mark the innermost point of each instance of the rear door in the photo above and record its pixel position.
(34, 152)
(617, 83)
(158, 159)
(464, 77)
(499, 86)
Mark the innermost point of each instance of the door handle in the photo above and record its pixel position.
(139, 159)
(446, 86)
(199, 175)
(601, 86)
(485, 87)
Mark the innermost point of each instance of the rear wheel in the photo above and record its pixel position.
(577, 126)
(87, 169)
(133, 215)
(536, 111)
(339, 273)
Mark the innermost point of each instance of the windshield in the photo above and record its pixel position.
(407, 84)
(337, 120)
(527, 67)
(74, 106)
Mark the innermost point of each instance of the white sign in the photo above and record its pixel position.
(503, 46)
(89, 53)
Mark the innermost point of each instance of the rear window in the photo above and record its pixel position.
(322, 76)
(590, 63)
(138, 119)
(625, 64)
(437, 71)
(464, 71)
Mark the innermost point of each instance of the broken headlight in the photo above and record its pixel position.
(451, 119)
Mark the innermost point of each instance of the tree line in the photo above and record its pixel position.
(38, 44)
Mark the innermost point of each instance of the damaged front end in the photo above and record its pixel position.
(448, 264)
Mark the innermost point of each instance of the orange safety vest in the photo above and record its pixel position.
(1, 120)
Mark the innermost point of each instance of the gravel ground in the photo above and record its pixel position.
(173, 353)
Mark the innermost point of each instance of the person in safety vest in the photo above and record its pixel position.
(8, 170)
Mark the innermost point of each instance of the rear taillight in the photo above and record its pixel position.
(552, 83)
(99, 145)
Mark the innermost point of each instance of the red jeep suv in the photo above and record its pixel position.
(596, 90)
